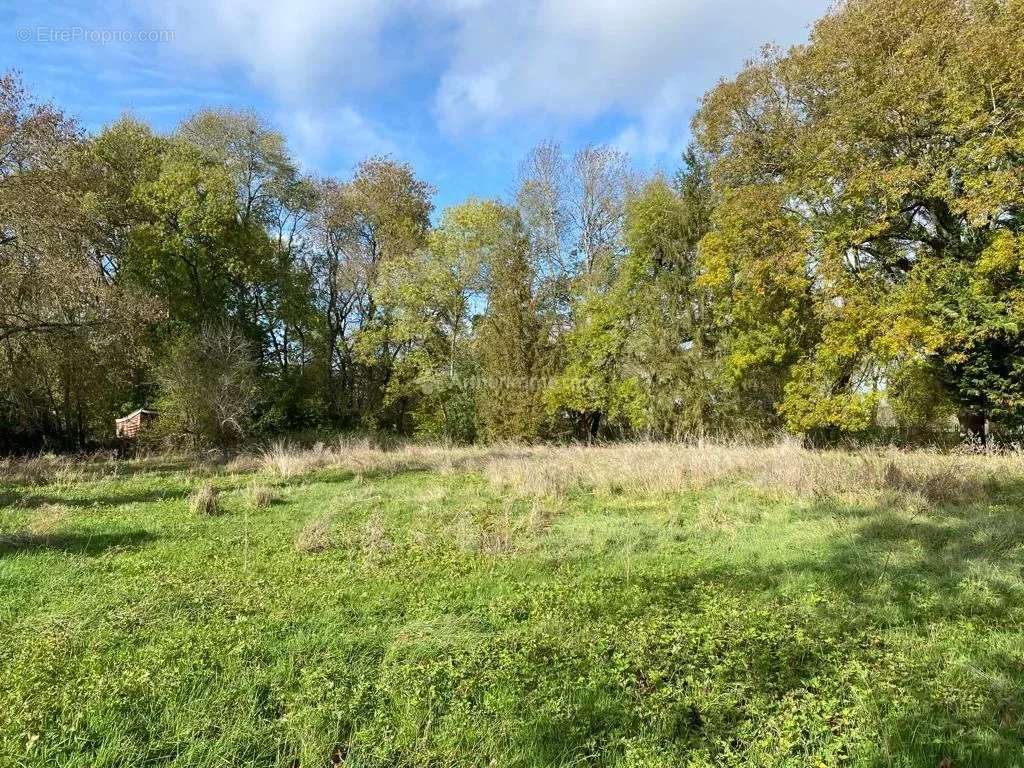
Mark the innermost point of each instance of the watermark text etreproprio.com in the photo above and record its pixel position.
(102, 36)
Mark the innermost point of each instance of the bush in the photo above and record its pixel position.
(208, 389)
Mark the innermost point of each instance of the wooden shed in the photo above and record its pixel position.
(129, 426)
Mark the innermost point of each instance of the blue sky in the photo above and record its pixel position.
(460, 88)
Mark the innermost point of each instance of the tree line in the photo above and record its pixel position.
(840, 255)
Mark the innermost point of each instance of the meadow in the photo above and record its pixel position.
(632, 605)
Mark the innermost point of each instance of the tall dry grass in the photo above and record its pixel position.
(67, 469)
(644, 468)
(785, 466)
(205, 500)
(360, 457)
(55, 469)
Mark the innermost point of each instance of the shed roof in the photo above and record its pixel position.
(135, 413)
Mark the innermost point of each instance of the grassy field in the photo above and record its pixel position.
(632, 606)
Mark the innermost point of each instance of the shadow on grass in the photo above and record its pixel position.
(868, 649)
(939, 592)
(34, 500)
(87, 544)
(926, 557)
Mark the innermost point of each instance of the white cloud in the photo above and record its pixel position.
(490, 63)
(291, 48)
(579, 59)
(575, 59)
(660, 130)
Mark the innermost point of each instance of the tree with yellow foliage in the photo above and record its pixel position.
(868, 240)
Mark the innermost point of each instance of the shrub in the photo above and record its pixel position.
(208, 389)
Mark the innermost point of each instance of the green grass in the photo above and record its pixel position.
(444, 623)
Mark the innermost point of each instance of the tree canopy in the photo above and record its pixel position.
(868, 229)
(840, 255)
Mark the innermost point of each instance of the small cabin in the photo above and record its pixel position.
(129, 426)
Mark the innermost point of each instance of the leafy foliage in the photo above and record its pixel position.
(875, 174)
(208, 388)
(840, 255)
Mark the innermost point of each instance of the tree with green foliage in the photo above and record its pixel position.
(642, 357)
(268, 292)
(872, 194)
(433, 294)
(593, 389)
(843, 250)
(70, 332)
(573, 210)
(183, 249)
(384, 217)
(513, 336)
(673, 345)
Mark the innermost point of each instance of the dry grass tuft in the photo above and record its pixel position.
(284, 461)
(204, 501)
(68, 469)
(51, 469)
(715, 517)
(317, 535)
(360, 458)
(48, 518)
(498, 536)
(504, 531)
(260, 496)
(540, 518)
(375, 537)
